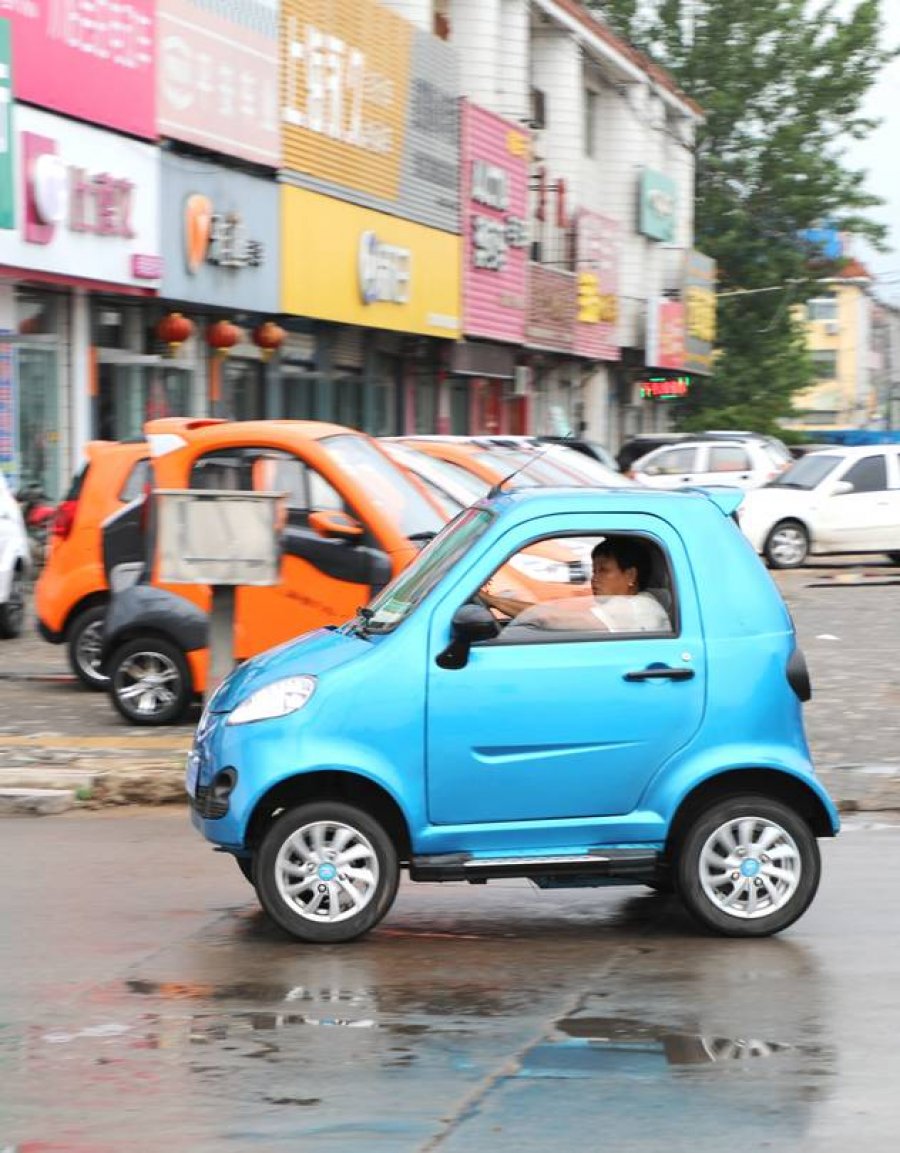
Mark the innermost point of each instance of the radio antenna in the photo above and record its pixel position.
(498, 487)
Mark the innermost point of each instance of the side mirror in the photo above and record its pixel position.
(470, 623)
(841, 488)
(339, 525)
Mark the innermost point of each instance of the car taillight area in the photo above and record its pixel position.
(64, 519)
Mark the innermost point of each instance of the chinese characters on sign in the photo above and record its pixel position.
(493, 236)
(217, 82)
(598, 242)
(665, 334)
(59, 193)
(664, 388)
(551, 309)
(385, 271)
(218, 238)
(700, 312)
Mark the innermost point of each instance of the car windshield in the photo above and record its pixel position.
(398, 599)
(388, 486)
(554, 465)
(807, 473)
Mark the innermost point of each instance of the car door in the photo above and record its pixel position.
(564, 729)
(724, 464)
(669, 467)
(865, 519)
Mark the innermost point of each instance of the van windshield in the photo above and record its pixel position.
(388, 486)
(398, 599)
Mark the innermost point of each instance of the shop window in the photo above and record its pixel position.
(242, 390)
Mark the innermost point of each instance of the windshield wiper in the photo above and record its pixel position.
(360, 623)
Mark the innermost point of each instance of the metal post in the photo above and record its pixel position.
(221, 637)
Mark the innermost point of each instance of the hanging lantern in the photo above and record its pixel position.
(222, 336)
(173, 330)
(269, 337)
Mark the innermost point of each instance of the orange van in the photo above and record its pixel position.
(353, 520)
(71, 593)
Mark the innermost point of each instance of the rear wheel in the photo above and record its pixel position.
(326, 872)
(149, 681)
(12, 611)
(894, 557)
(85, 638)
(787, 545)
(748, 867)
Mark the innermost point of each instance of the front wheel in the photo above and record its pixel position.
(326, 872)
(787, 545)
(149, 681)
(748, 867)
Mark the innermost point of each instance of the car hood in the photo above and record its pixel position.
(777, 500)
(311, 655)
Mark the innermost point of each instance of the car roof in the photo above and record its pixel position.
(850, 451)
(664, 502)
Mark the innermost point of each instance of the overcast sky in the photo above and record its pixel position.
(879, 155)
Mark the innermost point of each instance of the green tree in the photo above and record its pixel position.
(782, 85)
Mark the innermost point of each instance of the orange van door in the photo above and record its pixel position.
(324, 579)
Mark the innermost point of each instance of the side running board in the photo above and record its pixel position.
(624, 863)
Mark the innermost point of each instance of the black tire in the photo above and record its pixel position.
(83, 647)
(12, 611)
(245, 864)
(775, 550)
(760, 903)
(377, 857)
(139, 661)
(894, 557)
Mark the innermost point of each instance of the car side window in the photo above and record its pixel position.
(141, 474)
(868, 474)
(728, 458)
(575, 588)
(674, 461)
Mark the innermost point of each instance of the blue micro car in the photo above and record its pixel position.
(645, 728)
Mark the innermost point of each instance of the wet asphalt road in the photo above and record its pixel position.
(146, 1005)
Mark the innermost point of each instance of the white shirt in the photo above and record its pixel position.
(641, 613)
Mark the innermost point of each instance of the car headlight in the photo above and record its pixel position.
(274, 700)
(537, 568)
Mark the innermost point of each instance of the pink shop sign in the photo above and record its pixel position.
(598, 246)
(495, 226)
(217, 79)
(91, 59)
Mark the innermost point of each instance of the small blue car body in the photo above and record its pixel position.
(418, 736)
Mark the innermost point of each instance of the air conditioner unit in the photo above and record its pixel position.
(831, 328)
(522, 380)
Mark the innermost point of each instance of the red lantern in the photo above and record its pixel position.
(269, 337)
(174, 329)
(222, 336)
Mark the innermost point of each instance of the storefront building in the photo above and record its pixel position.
(79, 220)
(84, 253)
(488, 379)
(550, 339)
(370, 212)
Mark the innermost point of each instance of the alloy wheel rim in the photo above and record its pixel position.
(327, 872)
(87, 651)
(788, 546)
(147, 683)
(750, 867)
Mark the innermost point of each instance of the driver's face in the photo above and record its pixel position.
(608, 580)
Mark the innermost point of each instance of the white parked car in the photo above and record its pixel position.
(745, 462)
(13, 563)
(838, 500)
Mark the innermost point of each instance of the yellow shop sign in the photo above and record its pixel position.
(352, 265)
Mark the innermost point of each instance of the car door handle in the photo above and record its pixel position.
(658, 673)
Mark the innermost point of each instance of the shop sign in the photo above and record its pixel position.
(217, 76)
(664, 387)
(225, 247)
(665, 334)
(658, 203)
(700, 312)
(89, 202)
(92, 59)
(552, 306)
(370, 109)
(496, 156)
(7, 194)
(597, 249)
(355, 266)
